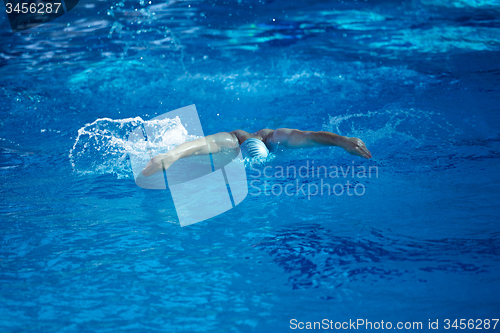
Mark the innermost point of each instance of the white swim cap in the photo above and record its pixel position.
(252, 148)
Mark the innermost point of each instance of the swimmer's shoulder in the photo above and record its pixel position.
(264, 134)
(241, 135)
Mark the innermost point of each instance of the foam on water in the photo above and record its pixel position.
(396, 136)
(102, 147)
(409, 125)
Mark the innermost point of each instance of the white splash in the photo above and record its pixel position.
(102, 147)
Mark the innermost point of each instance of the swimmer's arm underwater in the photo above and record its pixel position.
(202, 146)
(293, 138)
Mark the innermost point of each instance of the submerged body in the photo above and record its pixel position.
(283, 137)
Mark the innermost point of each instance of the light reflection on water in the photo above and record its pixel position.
(130, 30)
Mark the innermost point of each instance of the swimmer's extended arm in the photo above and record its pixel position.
(202, 146)
(293, 138)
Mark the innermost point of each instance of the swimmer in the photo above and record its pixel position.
(255, 144)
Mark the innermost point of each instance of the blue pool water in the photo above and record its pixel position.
(82, 248)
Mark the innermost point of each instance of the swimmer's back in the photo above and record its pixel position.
(261, 135)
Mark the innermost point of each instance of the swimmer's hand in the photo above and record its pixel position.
(158, 163)
(356, 147)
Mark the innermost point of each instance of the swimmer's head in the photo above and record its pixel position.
(254, 148)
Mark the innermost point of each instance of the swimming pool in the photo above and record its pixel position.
(85, 249)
